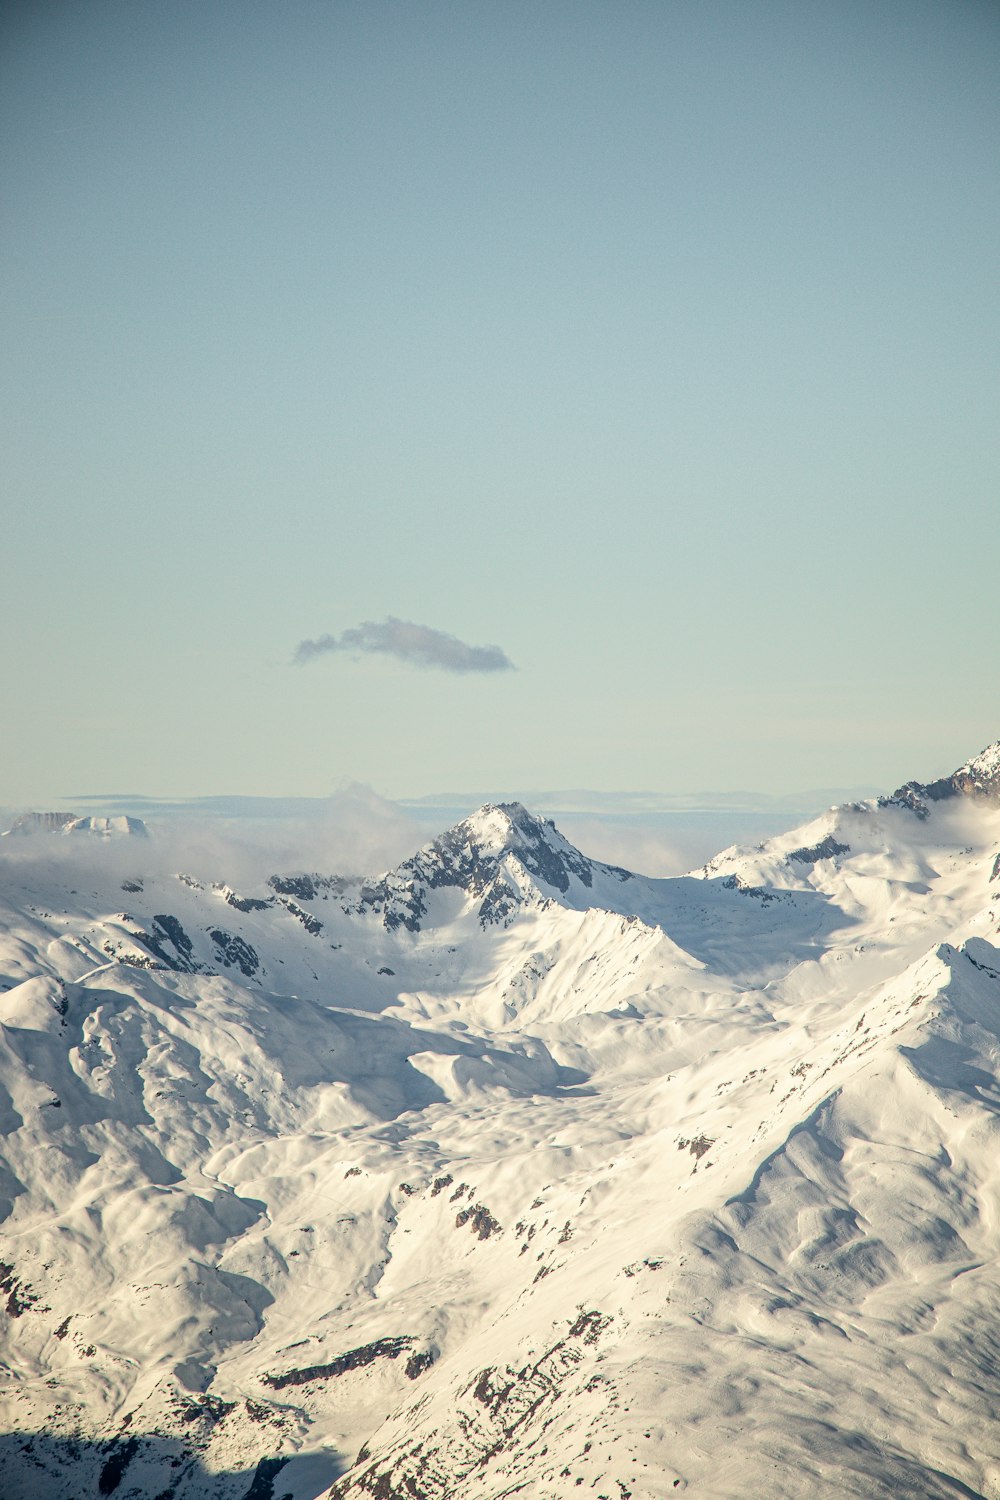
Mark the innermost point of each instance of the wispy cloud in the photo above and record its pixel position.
(418, 645)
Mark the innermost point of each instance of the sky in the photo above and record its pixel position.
(442, 396)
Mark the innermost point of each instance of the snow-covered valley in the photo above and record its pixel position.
(506, 1172)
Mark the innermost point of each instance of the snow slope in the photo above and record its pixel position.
(507, 1172)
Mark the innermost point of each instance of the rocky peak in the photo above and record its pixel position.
(506, 828)
(496, 855)
(979, 778)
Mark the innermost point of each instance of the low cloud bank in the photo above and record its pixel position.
(417, 645)
(237, 840)
(666, 845)
(243, 840)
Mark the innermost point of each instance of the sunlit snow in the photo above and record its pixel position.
(507, 1172)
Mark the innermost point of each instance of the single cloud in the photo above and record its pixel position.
(417, 644)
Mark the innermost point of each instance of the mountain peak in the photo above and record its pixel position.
(502, 855)
(68, 823)
(979, 778)
(498, 824)
(509, 828)
(503, 829)
(982, 773)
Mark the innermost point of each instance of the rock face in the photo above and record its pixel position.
(506, 1172)
(979, 778)
(503, 856)
(827, 848)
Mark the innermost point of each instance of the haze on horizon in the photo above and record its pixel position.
(591, 397)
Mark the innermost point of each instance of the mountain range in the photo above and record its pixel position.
(507, 1171)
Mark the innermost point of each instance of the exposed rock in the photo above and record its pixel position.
(41, 822)
(419, 1362)
(827, 848)
(20, 1298)
(235, 951)
(114, 1470)
(482, 856)
(262, 1484)
(493, 1413)
(482, 1220)
(907, 797)
(170, 944)
(354, 1359)
(979, 778)
(246, 903)
(311, 924)
(311, 887)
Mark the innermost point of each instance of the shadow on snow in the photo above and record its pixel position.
(37, 1466)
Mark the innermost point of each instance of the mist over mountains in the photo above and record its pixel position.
(359, 830)
(504, 1169)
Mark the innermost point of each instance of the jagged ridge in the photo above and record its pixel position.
(978, 778)
(502, 856)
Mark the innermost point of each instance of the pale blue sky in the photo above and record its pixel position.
(654, 343)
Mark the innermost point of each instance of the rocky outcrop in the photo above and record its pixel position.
(978, 778)
(497, 856)
(827, 848)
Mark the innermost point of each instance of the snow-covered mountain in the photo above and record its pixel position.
(507, 1172)
(63, 822)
